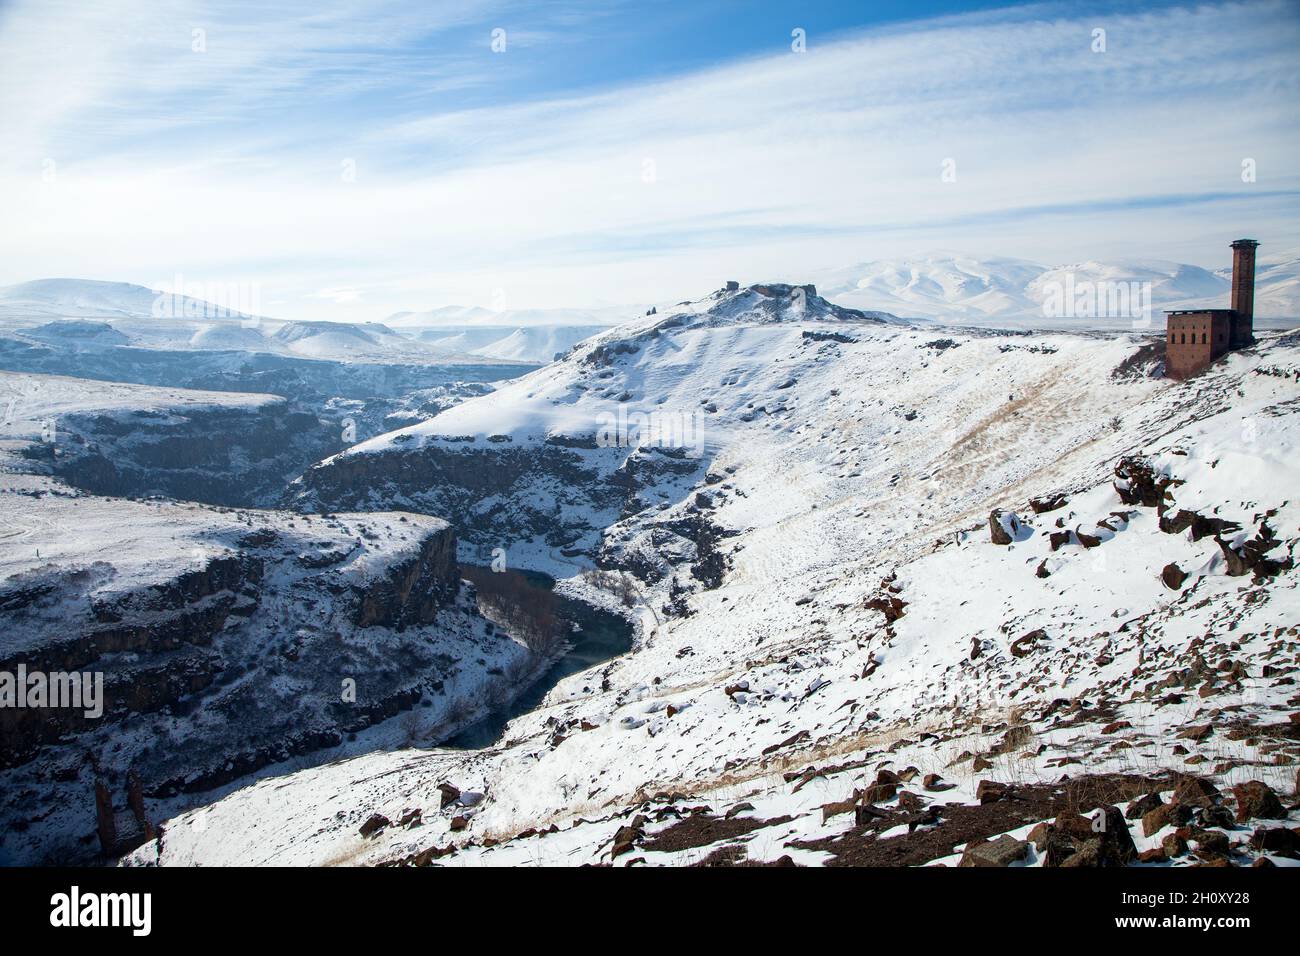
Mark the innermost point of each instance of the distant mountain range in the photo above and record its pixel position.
(997, 291)
(946, 288)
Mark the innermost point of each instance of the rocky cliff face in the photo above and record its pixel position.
(227, 642)
(220, 456)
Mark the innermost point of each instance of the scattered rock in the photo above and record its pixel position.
(374, 824)
(1173, 576)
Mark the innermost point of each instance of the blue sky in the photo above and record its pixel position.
(358, 158)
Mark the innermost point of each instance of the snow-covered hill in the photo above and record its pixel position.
(838, 661)
(536, 344)
(95, 299)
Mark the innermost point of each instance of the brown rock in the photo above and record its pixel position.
(990, 791)
(935, 784)
(1257, 799)
(1167, 814)
(1173, 576)
(1195, 792)
(1174, 845)
(1022, 645)
(1048, 503)
(836, 808)
(1039, 834)
(1277, 840)
(374, 824)
(1000, 852)
(1210, 844)
(1003, 526)
(1143, 805)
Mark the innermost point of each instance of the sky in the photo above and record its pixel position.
(353, 159)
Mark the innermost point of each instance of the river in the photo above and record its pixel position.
(600, 636)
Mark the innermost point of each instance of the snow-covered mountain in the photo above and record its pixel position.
(890, 585)
(968, 290)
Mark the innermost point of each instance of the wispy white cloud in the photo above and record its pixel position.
(769, 167)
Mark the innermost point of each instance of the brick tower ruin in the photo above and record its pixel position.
(1196, 338)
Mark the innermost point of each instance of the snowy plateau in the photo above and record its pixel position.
(911, 593)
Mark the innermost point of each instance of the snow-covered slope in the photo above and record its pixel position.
(539, 344)
(536, 344)
(823, 604)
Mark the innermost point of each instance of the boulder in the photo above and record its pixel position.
(1167, 814)
(1143, 805)
(1022, 645)
(1277, 840)
(1004, 526)
(1211, 844)
(1195, 791)
(1048, 503)
(1256, 799)
(375, 823)
(1138, 483)
(1173, 576)
(990, 791)
(1077, 841)
(935, 783)
(1000, 852)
